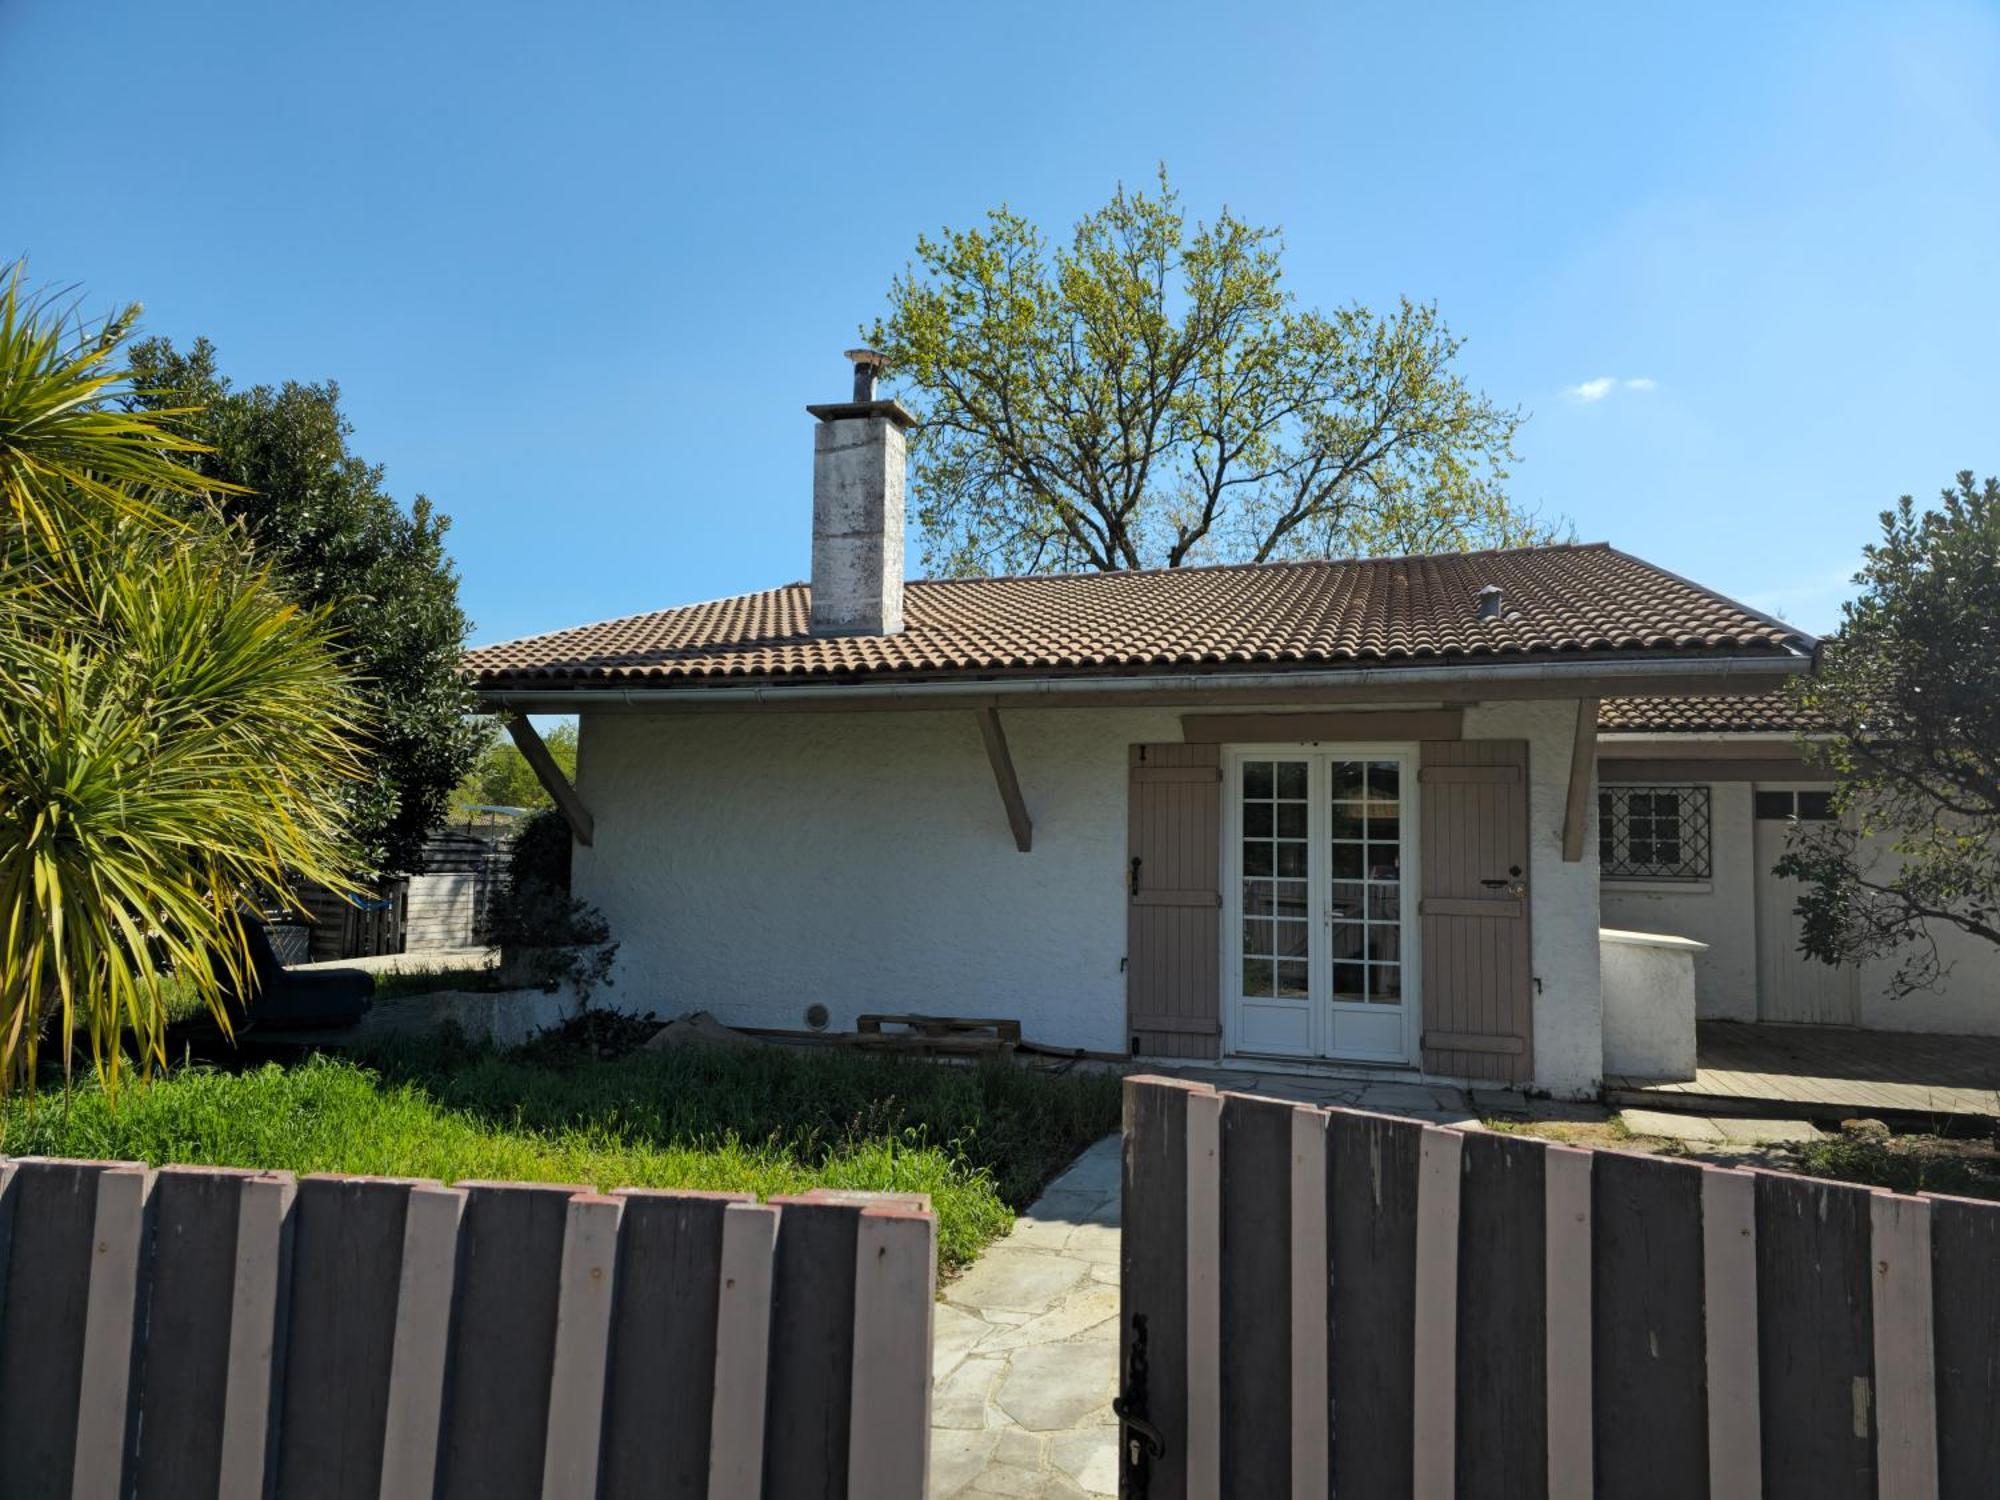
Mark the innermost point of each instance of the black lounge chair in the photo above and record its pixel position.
(299, 999)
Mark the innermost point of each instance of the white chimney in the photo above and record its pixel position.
(857, 557)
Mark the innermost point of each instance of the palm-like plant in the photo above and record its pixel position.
(172, 732)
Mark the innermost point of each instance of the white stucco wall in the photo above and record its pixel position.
(1721, 912)
(1569, 1009)
(754, 864)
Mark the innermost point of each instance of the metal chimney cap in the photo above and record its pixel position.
(873, 357)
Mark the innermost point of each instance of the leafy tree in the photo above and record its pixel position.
(341, 543)
(502, 777)
(174, 734)
(1905, 711)
(1153, 394)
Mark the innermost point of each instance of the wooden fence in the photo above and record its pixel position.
(200, 1332)
(1326, 1302)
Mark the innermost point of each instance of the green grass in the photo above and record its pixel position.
(979, 1140)
(1909, 1165)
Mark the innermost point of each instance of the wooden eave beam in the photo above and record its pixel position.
(581, 825)
(1003, 775)
(1582, 762)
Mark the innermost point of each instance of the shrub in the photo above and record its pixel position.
(546, 937)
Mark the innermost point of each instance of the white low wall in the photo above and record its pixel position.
(1649, 1005)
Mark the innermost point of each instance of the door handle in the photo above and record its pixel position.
(1133, 886)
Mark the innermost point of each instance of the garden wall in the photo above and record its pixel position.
(195, 1331)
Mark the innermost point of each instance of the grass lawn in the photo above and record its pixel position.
(980, 1140)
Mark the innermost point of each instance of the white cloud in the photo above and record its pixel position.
(1604, 385)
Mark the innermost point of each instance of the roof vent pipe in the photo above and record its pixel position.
(1492, 603)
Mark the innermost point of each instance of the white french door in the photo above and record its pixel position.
(1319, 957)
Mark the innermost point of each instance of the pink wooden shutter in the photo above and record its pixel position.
(1172, 988)
(1477, 986)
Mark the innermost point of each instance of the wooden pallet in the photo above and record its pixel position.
(937, 1036)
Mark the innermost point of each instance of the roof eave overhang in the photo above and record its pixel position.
(1731, 673)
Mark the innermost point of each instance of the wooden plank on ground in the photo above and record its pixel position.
(1650, 1408)
(493, 1436)
(660, 1398)
(1255, 1295)
(1965, 1297)
(41, 1322)
(1371, 1201)
(347, 1252)
(186, 1365)
(1815, 1339)
(1153, 1269)
(812, 1332)
(1502, 1319)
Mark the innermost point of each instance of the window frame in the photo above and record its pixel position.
(1692, 836)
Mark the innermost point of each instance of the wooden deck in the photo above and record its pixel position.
(1827, 1072)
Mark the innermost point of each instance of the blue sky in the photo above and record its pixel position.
(578, 268)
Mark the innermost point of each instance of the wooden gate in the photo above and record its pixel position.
(1323, 1302)
(1477, 986)
(1172, 988)
(195, 1331)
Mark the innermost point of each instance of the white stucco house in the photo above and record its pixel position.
(1328, 814)
(1695, 797)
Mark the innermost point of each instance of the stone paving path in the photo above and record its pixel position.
(1026, 1352)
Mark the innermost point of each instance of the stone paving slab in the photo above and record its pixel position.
(1716, 1130)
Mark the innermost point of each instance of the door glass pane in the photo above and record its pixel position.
(1292, 978)
(1365, 905)
(1291, 899)
(1292, 938)
(1291, 820)
(1256, 937)
(1257, 779)
(1292, 780)
(1292, 858)
(1256, 976)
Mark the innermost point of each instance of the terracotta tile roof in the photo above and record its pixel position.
(1759, 713)
(1561, 602)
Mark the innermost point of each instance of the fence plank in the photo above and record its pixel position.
(1729, 1294)
(1566, 1278)
(1815, 1339)
(1905, 1362)
(41, 1328)
(1965, 1249)
(185, 1370)
(1311, 1434)
(418, 1355)
(660, 1405)
(493, 1436)
(1502, 1365)
(1153, 1275)
(1650, 1413)
(586, 1284)
(1371, 1196)
(1254, 1296)
(259, 1284)
(1204, 1296)
(895, 1284)
(347, 1252)
(812, 1332)
(1434, 1414)
(112, 1319)
(742, 1352)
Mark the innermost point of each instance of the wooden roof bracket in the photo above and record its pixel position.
(1004, 778)
(1582, 764)
(581, 825)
